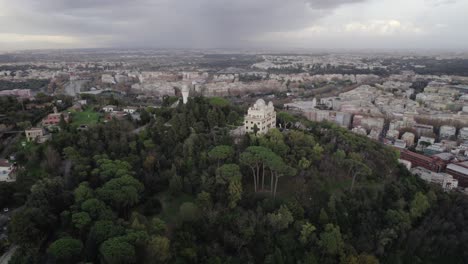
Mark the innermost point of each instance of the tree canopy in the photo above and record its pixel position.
(180, 188)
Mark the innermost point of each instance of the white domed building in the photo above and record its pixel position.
(261, 115)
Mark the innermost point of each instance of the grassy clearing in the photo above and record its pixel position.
(87, 117)
(219, 102)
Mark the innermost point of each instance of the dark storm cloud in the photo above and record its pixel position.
(179, 23)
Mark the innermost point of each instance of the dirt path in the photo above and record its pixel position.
(5, 258)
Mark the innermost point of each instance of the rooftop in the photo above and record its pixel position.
(458, 168)
(4, 163)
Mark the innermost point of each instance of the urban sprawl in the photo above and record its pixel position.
(416, 103)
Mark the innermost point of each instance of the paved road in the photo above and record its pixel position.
(5, 258)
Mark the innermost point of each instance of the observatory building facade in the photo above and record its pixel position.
(261, 115)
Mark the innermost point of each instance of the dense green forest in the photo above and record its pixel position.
(184, 190)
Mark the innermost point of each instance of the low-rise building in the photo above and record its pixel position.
(109, 108)
(463, 133)
(130, 109)
(21, 93)
(445, 180)
(399, 143)
(6, 171)
(447, 132)
(357, 120)
(408, 137)
(405, 122)
(405, 163)
(376, 123)
(460, 172)
(392, 134)
(435, 148)
(359, 130)
(340, 118)
(54, 118)
(449, 144)
(374, 134)
(343, 119)
(423, 130)
(425, 142)
(418, 160)
(119, 115)
(107, 78)
(121, 78)
(36, 134)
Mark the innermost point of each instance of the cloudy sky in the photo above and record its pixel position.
(308, 24)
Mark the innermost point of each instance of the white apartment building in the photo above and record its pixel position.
(261, 115)
(109, 108)
(447, 131)
(34, 133)
(463, 133)
(6, 169)
(408, 137)
(393, 134)
(446, 181)
(130, 109)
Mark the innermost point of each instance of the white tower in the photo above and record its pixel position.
(185, 93)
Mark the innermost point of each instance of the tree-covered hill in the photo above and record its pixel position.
(185, 191)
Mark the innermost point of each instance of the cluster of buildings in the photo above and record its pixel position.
(22, 75)
(319, 61)
(54, 118)
(117, 78)
(51, 121)
(439, 96)
(36, 134)
(446, 169)
(445, 180)
(112, 111)
(390, 113)
(20, 93)
(222, 83)
(355, 110)
(441, 157)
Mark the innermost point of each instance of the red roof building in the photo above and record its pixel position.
(53, 119)
(433, 163)
(459, 171)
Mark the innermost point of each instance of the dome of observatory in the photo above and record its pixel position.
(260, 103)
